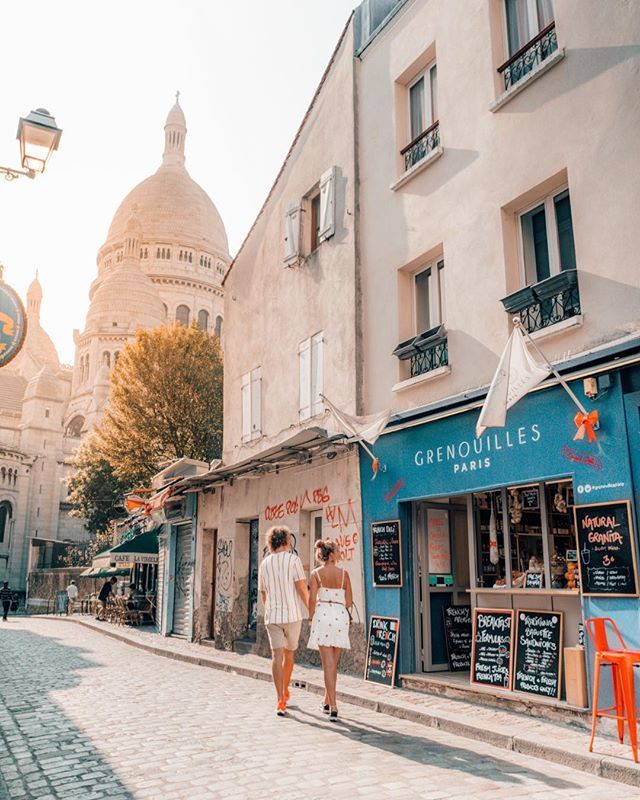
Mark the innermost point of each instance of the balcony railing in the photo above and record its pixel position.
(553, 300)
(425, 352)
(529, 56)
(421, 146)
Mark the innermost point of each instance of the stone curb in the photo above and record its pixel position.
(613, 769)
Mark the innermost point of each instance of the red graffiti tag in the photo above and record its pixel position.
(394, 490)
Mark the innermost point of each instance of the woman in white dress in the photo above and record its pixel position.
(329, 604)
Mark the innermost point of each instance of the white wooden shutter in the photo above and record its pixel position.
(256, 403)
(292, 233)
(327, 205)
(246, 407)
(304, 354)
(317, 374)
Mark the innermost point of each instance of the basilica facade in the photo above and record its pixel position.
(164, 259)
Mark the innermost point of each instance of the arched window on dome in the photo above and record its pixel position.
(158, 253)
(162, 253)
(116, 356)
(168, 253)
(106, 358)
(201, 259)
(203, 320)
(86, 366)
(183, 314)
(3, 474)
(166, 310)
(190, 258)
(75, 426)
(180, 256)
(6, 512)
(218, 327)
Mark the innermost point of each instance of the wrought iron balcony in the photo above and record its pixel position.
(426, 351)
(529, 56)
(421, 146)
(546, 303)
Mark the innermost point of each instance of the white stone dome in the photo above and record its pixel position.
(125, 299)
(170, 205)
(45, 385)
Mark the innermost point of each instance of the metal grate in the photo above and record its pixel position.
(529, 56)
(421, 146)
(428, 360)
(550, 310)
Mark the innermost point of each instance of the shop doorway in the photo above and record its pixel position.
(254, 541)
(442, 574)
(214, 574)
(183, 584)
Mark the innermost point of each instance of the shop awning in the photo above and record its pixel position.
(297, 450)
(141, 549)
(104, 573)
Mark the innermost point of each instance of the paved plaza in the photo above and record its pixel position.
(84, 716)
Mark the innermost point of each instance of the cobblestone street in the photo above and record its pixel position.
(84, 716)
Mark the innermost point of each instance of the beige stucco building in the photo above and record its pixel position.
(290, 338)
(164, 259)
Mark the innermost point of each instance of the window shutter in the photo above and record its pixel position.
(327, 205)
(256, 403)
(304, 353)
(292, 233)
(317, 374)
(246, 407)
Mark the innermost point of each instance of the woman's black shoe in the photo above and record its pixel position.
(325, 708)
(333, 715)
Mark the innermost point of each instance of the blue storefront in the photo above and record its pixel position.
(477, 515)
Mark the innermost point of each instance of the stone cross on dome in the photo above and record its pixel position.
(175, 132)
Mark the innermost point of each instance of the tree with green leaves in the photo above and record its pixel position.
(165, 402)
(95, 492)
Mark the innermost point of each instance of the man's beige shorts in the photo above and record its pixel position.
(284, 635)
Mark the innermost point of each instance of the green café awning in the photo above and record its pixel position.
(104, 573)
(141, 549)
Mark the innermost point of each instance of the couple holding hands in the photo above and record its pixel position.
(283, 588)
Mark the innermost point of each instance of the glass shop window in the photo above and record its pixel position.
(526, 537)
(562, 535)
(490, 540)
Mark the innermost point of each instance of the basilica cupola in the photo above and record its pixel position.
(175, 132)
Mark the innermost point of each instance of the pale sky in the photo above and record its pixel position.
(108, 73)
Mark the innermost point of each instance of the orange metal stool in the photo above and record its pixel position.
(621, 660)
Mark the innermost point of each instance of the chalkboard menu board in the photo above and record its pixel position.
(386, 548)
(537, 661)
(382, 650)
(458, 633)
(492, 645)
(533, 580)
(606, 549)
(530, 499)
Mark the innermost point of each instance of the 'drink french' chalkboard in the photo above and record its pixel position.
(386, 548)
(492, 646)
(537, 660)
(458, 633)
(382, 650)
(606, 549)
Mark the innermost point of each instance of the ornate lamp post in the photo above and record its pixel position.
(39, 136)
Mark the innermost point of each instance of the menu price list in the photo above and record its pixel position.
(387, 553)
(537, 660)
(606, 549)
(458, 631)
(492, 644)
(382, 650)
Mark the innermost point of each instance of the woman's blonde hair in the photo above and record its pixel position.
(324, 549)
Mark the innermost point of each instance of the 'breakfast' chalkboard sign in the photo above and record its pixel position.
(386, 551)
(537, 662)
(382, 650)
(492, 645)
(458, 633)
(606, 549)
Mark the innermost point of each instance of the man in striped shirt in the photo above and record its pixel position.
(283, 588)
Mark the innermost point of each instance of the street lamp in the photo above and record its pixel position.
(39, 136)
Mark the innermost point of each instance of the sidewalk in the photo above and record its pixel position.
(559, 744)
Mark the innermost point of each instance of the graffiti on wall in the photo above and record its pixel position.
(224, 574)
(339, 518)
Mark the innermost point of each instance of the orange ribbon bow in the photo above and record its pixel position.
(585, 424)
